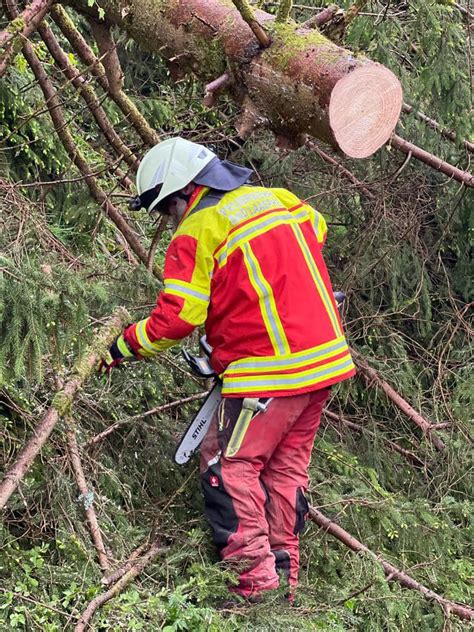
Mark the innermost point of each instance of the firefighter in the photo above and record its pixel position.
(246, 262)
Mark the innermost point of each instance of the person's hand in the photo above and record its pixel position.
(117, 353)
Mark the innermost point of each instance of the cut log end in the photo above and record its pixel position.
(364, 108)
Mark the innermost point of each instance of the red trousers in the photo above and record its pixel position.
(254, 496)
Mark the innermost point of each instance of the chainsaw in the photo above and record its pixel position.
(201, 366)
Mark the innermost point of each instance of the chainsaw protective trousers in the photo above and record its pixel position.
(254, 492)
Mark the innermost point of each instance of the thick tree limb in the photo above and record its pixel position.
(432, 161)
(86, 494)
(117, 588)
(302, 83)
(61, 404)
(372, 377)
(446, 133)
(393, 573)
(84, 52)
(88, 94)
(21, 26)
(108, 53)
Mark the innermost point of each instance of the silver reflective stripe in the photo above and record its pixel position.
(286, 380)
(280, 362)
(186, 290)
(142, 336)
(266, 299)
(250, 231)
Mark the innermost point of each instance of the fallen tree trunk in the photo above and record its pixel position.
(61, 404)
(302, 83)
(393, 573)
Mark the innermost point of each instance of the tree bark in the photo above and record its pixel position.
(21, 26)
(79, 475)
(432, 161)
(393, 573)
(61, 404)
(302, 83)
(84, 52)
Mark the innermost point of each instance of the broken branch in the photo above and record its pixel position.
(117, 588)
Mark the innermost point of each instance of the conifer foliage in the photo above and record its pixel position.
(397, 245)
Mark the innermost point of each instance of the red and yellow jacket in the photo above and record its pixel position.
(248, 264)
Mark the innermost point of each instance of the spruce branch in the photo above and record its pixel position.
(118, 587)
(65, 136)
(62, 403)
(431, 123)
(372, 377)
(393, 573)
(148, 135)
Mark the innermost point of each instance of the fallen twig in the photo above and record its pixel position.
(101, 436)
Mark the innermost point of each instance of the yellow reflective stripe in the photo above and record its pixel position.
(313, 268)
(239, 431)
(265, 364)
(185, 290)
(254, 229)
(266, 301)
(147, 347)
(320, 227)
(258, 383)
(123, 348)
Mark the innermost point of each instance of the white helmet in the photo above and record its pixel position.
(173, 164)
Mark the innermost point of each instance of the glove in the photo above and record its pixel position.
(117, 353)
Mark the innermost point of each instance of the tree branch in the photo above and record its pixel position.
(88, 94)
(248, 16)
(86, 494)
(393, 573)
(108, 53)
(446, 133)
(144, 130)
(371, 376)
(432, 161)
(61, 403)
(22, 27)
